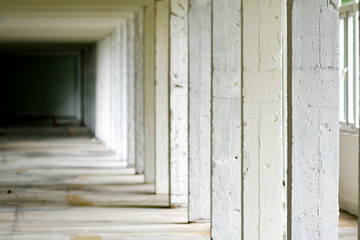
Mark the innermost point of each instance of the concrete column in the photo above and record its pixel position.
(162, 97)
(199, 109)
(139, 92)
(89, 87)
(102, 103)
(115, 91)
(178, 102)
(226, 197)
(313, 124)
(131, 90)
(122, 142)
(262, 115)
(149, 93)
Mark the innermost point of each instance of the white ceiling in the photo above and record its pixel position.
(55, 30)
(60, 24)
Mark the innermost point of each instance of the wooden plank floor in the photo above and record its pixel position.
(347, 226)
(57, 183)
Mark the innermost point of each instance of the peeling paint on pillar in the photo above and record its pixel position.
(139, 92)
(313, 120)
(199, 110)
(226, 191)
(178, 102)
(263, 197)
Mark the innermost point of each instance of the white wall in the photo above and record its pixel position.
(348, 189)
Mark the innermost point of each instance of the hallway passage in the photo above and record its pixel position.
(59, 183)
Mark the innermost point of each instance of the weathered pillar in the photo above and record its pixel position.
(199, 109)
(149, 93)
(139, 92)
(162, 97)
(131, 90)
(313, 124)
(178, 102)
(226, 197)
(262, 120)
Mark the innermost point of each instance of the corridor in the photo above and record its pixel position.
(60, 183)
(220, 113)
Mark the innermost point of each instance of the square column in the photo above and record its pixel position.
(149, 93)
(131, 90)
(139, 93)
(313, 124)
(178, 102)
(162, 97)
(199, 110)
(226, 139)
(262, 120)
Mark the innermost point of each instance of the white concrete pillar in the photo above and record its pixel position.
(139, 92)
(102, 100)
(262, 115)
(313, 124)
(115, 91)
(178, 102)
(199, 109)
(131, 90)
(122, 142)
(226, 211)
(162, 97)
(149, 93)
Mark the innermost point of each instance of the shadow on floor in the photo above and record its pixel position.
(60, 183)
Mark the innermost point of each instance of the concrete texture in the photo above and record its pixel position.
(139, 93)
(226, 190)
(162, 97)
(131, 91)
(149, 93)
(199, 110)
(122, 142)
(313, 135)
(178, 102)
(262, 120)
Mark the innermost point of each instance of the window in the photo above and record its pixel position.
(349, 61)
